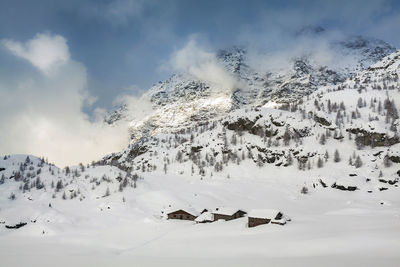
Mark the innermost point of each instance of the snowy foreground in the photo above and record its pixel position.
(328, 227)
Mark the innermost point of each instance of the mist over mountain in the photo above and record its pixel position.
(248, 78)
(252, 154)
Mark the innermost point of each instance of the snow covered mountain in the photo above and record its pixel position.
(359, 114)
(279, 121)
(184, 100)
(326, 137)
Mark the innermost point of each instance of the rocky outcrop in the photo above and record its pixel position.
(196, 149)
(322, 183)
(395, 159)
(391, 182)
(302, 132)
(247, 125)
(322, 120)
(367, 138)
(16, 226)
(137, 150)
(277, 123)
(344, 188)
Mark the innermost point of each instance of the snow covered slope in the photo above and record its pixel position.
(328, 158)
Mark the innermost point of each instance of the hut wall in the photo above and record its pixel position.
(181, 215)
(257, 221)
(236, 215)
(223, 217)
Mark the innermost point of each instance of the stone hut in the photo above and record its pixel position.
(265, 216)
(182, 214)
(227, 214)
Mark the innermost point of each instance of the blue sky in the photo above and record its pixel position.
(123, 43)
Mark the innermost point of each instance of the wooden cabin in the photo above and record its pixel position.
(227, 214)
(265, 216)
(182, 214)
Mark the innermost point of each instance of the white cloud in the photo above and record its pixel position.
(138, 107)
(321, 49)
(42, 114)
(44, 51)
(203, 65)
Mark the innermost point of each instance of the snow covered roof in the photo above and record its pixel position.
(190, 210)
(225, 211)
(263, 213)
(204, 217)
(281, 221)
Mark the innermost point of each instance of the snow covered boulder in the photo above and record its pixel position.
(351, 183)
(321, 118)
(394, 153)
(16, 226)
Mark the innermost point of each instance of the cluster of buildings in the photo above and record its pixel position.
(255, 217)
